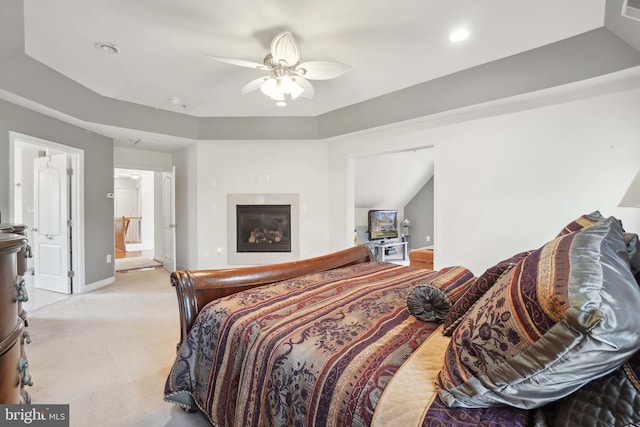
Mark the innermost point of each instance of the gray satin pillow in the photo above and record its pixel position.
(563, 316)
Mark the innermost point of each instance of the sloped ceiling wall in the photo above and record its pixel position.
(390, 181)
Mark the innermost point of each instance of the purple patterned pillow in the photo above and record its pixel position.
(563, 316)
(582, 222)
(454, 282)
(478, 288)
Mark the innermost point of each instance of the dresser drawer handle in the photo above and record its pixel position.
(23, 367)
(26, 337)
(28, 251)
(21, 288)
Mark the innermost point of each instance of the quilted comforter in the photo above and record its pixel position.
(317, 350)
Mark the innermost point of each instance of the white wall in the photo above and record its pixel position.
(511, 181)
(223, 168)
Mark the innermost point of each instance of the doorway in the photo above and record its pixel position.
(46, 195)
(397, 180)
(148, 198)
(134, 219)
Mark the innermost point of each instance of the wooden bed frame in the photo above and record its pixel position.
(196, 288)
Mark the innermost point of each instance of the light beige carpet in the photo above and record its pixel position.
(135, 263)
(107, 353)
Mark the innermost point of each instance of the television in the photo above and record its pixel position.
(383, 224)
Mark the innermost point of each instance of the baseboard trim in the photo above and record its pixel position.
(99, 284)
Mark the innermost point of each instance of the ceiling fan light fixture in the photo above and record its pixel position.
(287, 75)
(271, 88)
(277, 87)
(289, 85)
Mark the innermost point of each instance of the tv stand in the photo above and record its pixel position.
(383, 250)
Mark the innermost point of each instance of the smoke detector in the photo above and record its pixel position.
(109, 48)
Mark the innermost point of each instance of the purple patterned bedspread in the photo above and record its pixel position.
(316, 350)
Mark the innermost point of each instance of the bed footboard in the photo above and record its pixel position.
(196, 288)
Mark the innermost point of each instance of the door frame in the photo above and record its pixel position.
(171, 206)
(76, 157)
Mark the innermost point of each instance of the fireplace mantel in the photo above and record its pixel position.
(260, 258)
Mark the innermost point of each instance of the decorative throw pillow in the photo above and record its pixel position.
(478, 288)
(613, 400)
(563, 316)
(453, 281)
(582, 222)
(428, 303)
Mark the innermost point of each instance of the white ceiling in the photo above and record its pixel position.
(390, 45)
(404, 67)
(391, 180)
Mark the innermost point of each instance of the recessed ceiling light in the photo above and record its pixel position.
(107, 48)
(281, 104)
(459, 35)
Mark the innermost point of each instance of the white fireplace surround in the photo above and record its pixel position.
(262, 258)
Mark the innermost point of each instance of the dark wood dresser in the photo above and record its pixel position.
(14, 367)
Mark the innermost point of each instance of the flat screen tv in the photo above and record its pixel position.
(383, 224)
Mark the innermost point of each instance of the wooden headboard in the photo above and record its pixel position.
(196, 288)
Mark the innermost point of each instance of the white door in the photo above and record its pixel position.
(50, 229)
(169, 219)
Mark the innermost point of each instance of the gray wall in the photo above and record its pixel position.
(420, 212)
(98, 178)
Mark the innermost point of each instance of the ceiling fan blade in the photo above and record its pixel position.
(240, 62)
(284, 48)
(306, 85)
(322, 70)
(253, 85)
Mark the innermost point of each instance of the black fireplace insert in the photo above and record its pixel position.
(263, 228)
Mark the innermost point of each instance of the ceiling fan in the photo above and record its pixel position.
(287, 76)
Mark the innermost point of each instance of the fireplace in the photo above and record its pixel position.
(291, 201)
(263, 228)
